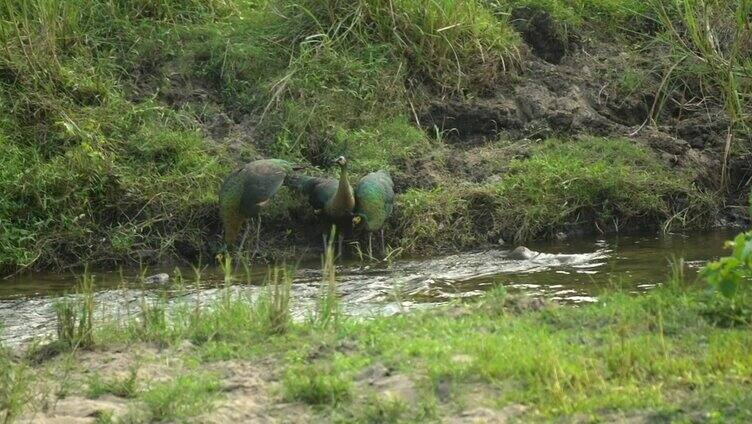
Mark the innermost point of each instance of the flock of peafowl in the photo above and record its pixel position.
(247, 190)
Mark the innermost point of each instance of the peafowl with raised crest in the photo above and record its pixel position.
(333, 199)
(246, 191)
(374, 204)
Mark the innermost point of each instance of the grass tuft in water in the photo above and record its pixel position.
(153, 324)
(272, 308)
(327, 305)
(75, 315)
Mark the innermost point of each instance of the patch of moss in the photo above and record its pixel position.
(380, 146)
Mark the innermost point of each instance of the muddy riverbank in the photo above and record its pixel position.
(526, 121)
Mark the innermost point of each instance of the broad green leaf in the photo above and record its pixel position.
(728, 287)
(739, 243)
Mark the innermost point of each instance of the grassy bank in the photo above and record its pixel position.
(120, 120)
(556, 185)
(678, 353)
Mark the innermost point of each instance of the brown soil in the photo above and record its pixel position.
(249, 390)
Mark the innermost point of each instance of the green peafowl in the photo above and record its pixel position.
(334, 199)
(374, 203)
(245, 191)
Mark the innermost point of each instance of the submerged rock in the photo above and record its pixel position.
(161, 278)
(522, 252)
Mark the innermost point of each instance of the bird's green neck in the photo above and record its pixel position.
(344, 180)
(344, 201)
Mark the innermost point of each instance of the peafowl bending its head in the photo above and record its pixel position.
(341, 161)
(358, 219)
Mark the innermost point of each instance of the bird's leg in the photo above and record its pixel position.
(242, 240)
(370, 249)
(242, 245)
(383, 247)
(340, 239)
(258, 237)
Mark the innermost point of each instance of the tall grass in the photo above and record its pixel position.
(185, 396)
(327, 306)
(273, 304)
(125, 387)
(15, 381)
(453, 44)
(119, 175)
(75, 316)
(711, 41)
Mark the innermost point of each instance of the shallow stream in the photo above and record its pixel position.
(572, 271)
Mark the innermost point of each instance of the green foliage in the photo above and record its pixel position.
(629, 81)
(185, 396)
(15, 379)
(450, 43)
(624, 352)
(105, 417)
(379, 147)
(316, 385)
(715, 39)
(273, 306)
(326, 94)
(614, 15)
(560, 182)
(382, 410)
(612, 179)
(86, 168)
(153, 324)
(125, 387)
(327, 305)
(731, 276)
(710, 43)
(434, 217)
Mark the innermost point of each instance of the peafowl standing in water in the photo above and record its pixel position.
(334, 199)
(246, 191)
(374, 203)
